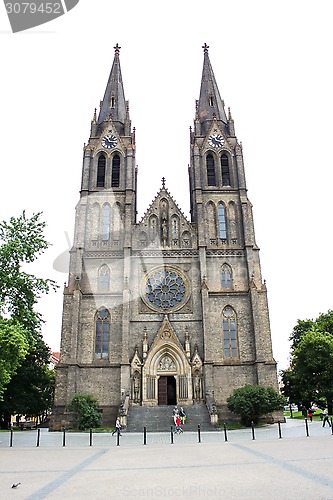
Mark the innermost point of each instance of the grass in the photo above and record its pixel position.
(299, 415)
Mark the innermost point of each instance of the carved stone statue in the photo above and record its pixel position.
(197, 387)
(136, 389)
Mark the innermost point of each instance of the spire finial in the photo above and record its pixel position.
(117, 49)
(163, 182)
(205, 47)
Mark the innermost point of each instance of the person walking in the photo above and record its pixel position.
(325, 418)
(175, 413)
(117, 427)
(178, 430)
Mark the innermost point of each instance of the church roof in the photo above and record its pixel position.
(114, 98)
(210, 104)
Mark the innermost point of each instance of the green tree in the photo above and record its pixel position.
(86, 408)
(22, 240)
(253, 401)
(309, 377)
(31, 390)
(13, 349)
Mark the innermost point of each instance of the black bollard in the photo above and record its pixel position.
(306, 427)
(38, 437)
(252, 427)
(225, 432)
(64, 437)
(279, 425)
(90, 436)
(145, 435)
(171, 435)
(118, 438)
(11, 438)
(199, 434)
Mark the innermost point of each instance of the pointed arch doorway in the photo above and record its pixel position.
(166, 371)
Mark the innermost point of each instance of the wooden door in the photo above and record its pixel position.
(163, 391)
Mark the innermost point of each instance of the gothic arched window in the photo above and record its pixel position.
(102, 334)
(226, 276)
(225, 170)
(211, 179)
(104, 278)
(115, 179)
(101, 171)
(222, 221)
(230, 347)
(106, 222)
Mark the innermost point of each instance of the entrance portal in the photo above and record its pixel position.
(167, 391)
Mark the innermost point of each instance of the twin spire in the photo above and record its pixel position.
(113, 102)
(209, 106)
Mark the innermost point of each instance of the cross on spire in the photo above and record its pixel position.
(163, 182)
(205, 47)
(117, 49)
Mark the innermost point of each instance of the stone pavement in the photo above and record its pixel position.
(294, 467)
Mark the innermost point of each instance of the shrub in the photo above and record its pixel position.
(252, 401)
(86, 407)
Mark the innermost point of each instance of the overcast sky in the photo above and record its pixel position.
(273, 64)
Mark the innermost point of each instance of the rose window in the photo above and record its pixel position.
(165, 289)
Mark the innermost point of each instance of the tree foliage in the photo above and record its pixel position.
(21, 242)
(13, 349)
(23, 354)
(309, 377)
(252, 401)
(86, 408)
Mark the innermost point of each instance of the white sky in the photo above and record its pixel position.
(273, 64)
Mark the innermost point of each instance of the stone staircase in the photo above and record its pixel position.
(160, 419)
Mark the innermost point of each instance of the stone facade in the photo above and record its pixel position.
(164, 310)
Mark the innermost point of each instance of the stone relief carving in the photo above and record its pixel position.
(167, 364)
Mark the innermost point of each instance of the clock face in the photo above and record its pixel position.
(216, 140)
(109, 141)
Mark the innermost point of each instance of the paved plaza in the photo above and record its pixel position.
(292, 467)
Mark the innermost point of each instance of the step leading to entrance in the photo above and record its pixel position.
(160, 418)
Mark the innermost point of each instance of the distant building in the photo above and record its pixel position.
(54, 359)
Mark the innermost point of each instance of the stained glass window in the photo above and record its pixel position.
(102, 334)
(230, 346)
(165, 289)
(222, 221)
(226, 276)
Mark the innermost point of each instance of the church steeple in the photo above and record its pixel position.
(210, 104)
(113, 102)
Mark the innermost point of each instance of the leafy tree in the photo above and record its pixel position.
(252, 401)
(21, 242)
(86, 408)
(13, 349)
(309, 377)
(31, 390)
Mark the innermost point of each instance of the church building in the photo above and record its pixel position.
(164, 310)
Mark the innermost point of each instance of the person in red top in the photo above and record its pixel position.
(178, 430)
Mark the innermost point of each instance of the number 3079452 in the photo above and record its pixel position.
(34, 8)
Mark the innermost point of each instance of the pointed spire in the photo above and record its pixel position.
(210, 104)
(114, 103)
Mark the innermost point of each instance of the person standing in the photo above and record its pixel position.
(117, 427)
(182, 415)
(325, 418)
